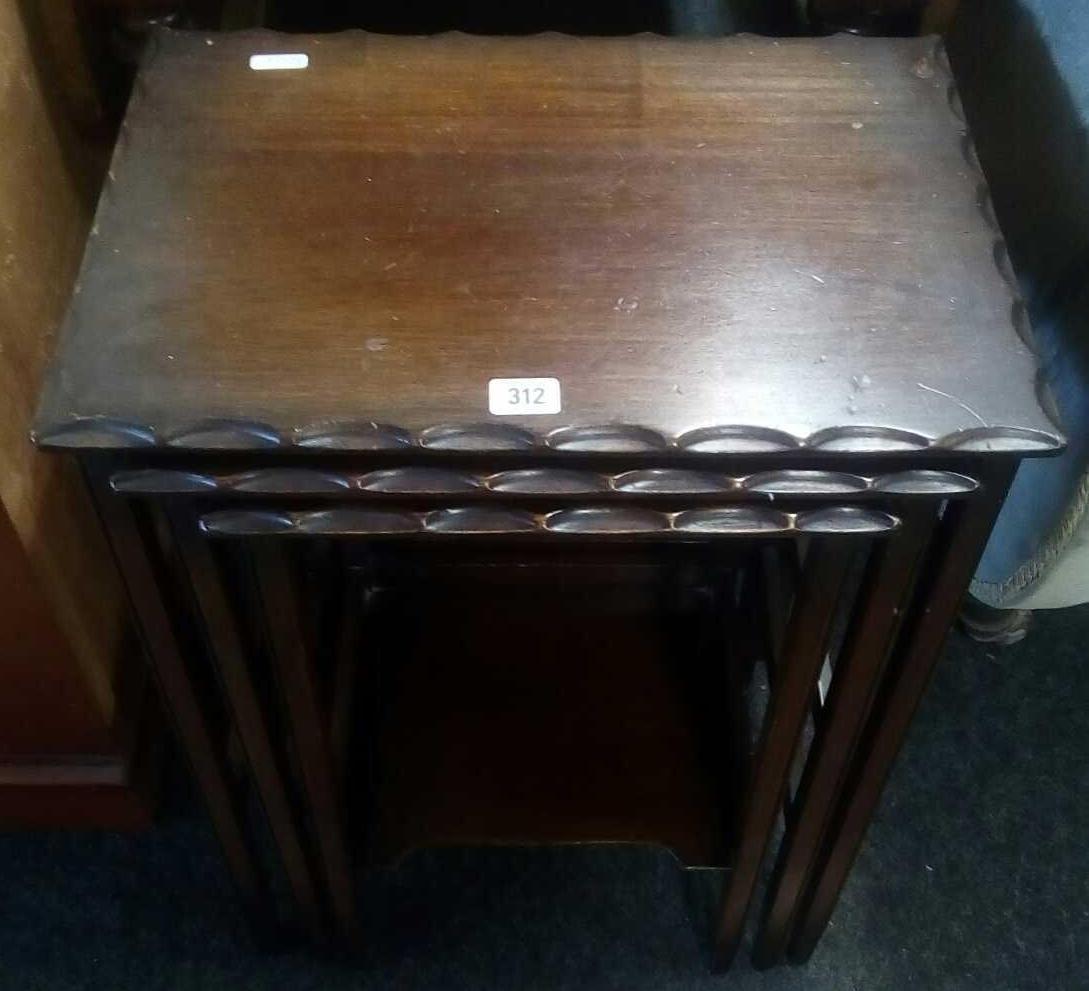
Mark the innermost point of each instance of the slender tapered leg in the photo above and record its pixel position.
(778, 564)
(886, 586)
(959, 542)
(229, 654)
(180, 698)
(803, 653)
(309, 726)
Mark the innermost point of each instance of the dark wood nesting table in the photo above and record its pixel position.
(360, 312)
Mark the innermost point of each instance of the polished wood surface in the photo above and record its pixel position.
(193, 721)
(570, 699)
(61, 763)
(47, 178)
(295, 669)
(226, 643)
(780, 234)
(957, 547)
(885, 587)
(45, 707)
(806, 645)
(66, 750)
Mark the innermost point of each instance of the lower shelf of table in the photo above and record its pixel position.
(535, 712)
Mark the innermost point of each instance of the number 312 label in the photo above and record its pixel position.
(523, 397)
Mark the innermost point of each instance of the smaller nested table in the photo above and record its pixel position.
(686, 356)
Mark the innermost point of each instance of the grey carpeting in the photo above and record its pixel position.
(975, 875)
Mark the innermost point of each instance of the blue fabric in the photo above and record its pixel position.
(1043, 488)
(1023, 70)
(1064, 27)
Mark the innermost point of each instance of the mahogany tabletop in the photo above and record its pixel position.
(724, 245)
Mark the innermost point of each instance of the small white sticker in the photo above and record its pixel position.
(285, 60)
(523, 397)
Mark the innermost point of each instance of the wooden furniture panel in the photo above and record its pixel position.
(542, 207)
(64, 756)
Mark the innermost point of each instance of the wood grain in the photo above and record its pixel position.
(550, 710)
(687, 233)
(45, 707)
(60, 615)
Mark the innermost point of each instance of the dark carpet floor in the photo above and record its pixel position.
(975, 875)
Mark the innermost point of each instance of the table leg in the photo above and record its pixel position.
(959, 542)
(803, 653)
(229, 654)
(309, 727)
(179, 696)
(345, 675)
(885, 590)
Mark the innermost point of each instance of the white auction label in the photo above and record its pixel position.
(523, 397)
(279, 60)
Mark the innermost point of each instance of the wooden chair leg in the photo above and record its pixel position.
(885, 589)
(803, 653)
(309, 727)
(179, 696)
(225, 643)
(959, 543)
